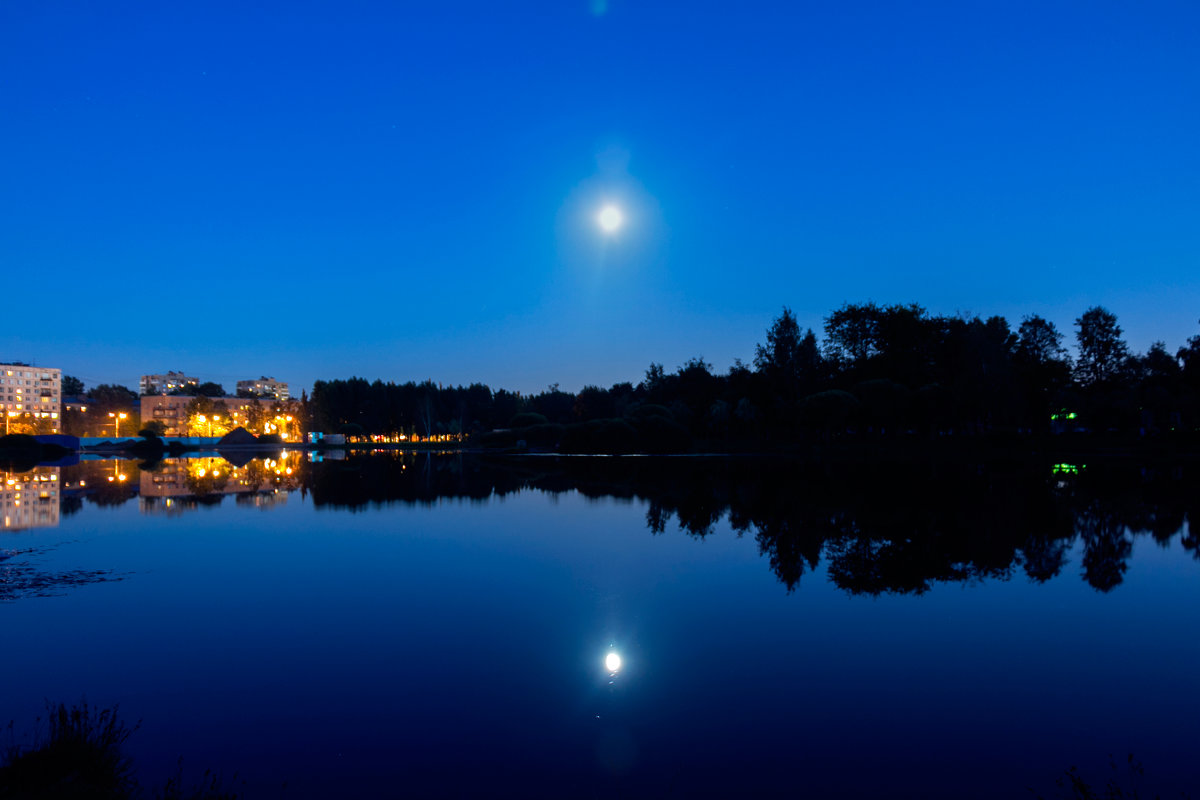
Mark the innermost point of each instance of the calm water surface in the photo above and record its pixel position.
(438, 625)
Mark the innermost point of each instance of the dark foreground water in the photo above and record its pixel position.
(439, 625)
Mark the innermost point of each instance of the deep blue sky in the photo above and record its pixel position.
(408, 190)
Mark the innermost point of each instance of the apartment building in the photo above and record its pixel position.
(264, 387)
(165, 384)
(170, 411)
(31, 397)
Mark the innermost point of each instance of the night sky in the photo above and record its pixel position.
(409, 190)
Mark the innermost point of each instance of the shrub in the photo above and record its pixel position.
(659, 434)
(80, 757)
(18, 441)
(527, 419)
(649, 410)
(546, 435)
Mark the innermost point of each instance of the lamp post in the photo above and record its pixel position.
(117, 423)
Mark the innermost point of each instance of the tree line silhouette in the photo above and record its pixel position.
(879, 371)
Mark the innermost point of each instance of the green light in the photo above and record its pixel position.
(1066, 469)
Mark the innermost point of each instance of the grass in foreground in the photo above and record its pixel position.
(80, 756)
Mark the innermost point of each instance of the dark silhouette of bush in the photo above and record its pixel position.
(527, 419)
(660, 434)
(829, 411)
(154, 426)
(885, 404)
(80, 758)
(650, 410)
(618, 436)
(583, 437)
(544, 435)
(499, 439)
(600, 436)
(18, 441)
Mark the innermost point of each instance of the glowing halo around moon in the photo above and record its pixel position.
(612, 662)
(610, 218)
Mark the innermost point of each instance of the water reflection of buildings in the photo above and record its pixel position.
(30, 499)
(180, 484)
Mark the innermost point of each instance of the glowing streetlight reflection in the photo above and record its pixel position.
(612, 662)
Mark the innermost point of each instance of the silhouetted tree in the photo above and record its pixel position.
(109, 397)
(654, 382)
(852, 333)
(1043, 369)
(592, 402)
(1189, 356)
(788, 357)
(1102, 352)
(1040, 343)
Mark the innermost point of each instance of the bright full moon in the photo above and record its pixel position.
(612, 662)
(610, 219)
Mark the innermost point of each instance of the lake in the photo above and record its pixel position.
(439, 624)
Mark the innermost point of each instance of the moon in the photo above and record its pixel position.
(610, 218)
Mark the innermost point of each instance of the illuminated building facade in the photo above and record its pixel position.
(29, 499)
(165, 384)
(172, 412)
(264, 386)
(220, 415)
(30, 398)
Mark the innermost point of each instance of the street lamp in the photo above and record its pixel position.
(8, 417)
(117, 423)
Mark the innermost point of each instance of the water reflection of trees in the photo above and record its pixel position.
(877, 528)
(874, 528)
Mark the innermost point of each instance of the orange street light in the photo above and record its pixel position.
(117, 423)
